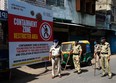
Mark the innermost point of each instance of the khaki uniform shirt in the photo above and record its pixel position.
(105, 49)
(77, 49)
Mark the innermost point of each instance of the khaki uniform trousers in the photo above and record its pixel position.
(56, 62)
(98, 61)
(105, 63)
(76, 62)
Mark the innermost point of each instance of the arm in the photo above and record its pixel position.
(71, 51)
(80, 52)
(94, 55)
(109, 52)
(50, 55)
(95, 49)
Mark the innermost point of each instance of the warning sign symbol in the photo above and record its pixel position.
(45, 31)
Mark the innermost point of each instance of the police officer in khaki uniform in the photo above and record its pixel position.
(105, 57)
(54, 57)
(77, 51)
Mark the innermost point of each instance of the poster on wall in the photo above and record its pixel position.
(30, 33)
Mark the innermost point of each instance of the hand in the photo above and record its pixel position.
(49, 59)
(108, 58)
(71, 52)
(76, 58)
(95, 55)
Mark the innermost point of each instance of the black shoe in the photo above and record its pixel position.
(109, 77)
(103, 75)
(79, 72)
(98, 68)
(53, 77)
(75, 72)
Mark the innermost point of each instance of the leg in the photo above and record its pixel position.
(103, 65)
(108, 67)
(53, 67)
(74, 61)
(78, 64)
(97, 61)
(59, 66)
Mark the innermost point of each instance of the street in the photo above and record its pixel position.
(33, 74)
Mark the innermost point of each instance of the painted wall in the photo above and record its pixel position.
(113, 44)
(3, 4)
(69, 12)
(103, 5)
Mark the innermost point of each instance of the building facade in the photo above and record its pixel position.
(72, 18)
(105, 20)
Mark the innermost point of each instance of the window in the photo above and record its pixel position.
(30, 1)
(66, 47)
(86, 6)
(55, 2)
(40, 3)
(93, 8)
(82, 4)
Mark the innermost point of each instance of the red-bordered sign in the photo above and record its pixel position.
(45, 31)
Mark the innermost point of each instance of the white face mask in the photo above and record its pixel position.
(55, 44)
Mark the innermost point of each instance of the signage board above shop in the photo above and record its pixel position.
(3, 15)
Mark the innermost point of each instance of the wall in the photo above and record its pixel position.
(3, 4)
(69, 12)
(113, 44)
(103, 5)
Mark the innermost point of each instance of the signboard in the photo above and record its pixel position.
(30, 33)
(3, 15)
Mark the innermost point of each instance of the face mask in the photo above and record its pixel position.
(55, 44)
(102, 41)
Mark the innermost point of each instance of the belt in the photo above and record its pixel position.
(104, 53)
(55, 56)
(75, 53)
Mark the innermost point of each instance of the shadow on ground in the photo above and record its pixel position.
(113, 74)
(40, 65)
(65, 74)
(18, 76)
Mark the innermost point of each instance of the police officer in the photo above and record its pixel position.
(97, 54)
(54, 57)
(105, 57)
(77, 51)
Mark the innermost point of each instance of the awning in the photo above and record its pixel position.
(69, 24)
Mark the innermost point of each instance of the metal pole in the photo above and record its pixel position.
(46, 66)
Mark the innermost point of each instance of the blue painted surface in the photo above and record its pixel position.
(88, 48)
(113, 44)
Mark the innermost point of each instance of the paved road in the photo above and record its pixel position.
(34, 74)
